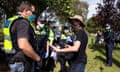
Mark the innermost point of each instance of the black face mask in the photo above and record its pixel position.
(73, 25)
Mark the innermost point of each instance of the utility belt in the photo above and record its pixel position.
(13, 61)
(18, 58)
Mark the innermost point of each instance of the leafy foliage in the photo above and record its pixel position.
(109, 12)
(61, 7)
(92, 27)
(10, 6)
(80, 8)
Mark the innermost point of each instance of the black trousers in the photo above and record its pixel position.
(109, 48)
(62, 59)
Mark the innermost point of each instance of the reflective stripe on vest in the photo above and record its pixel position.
(63, 37)
(33, 26)
(51, 36)
(6, 31)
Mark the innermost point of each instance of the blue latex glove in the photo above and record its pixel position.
(46, 54)
(69, 41)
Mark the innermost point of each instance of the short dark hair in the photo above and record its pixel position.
(24, 5)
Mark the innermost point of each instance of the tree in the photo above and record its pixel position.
(91, 25)
(10, 6)
(64, 8)
(109, 12)
(67, 8)
(61, 7)
(80, 8)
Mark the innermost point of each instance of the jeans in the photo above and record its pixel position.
(77, 67)
(17, 67)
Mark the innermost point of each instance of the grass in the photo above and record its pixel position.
(96, 58)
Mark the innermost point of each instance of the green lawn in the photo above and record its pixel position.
(96, 58)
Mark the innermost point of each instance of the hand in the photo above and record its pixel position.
(67, 46)
(39, 64)
(38, 59)
(58, 46)
(46, 54)
(38, 27)
(56, 49)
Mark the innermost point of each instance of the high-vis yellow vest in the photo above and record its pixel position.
(6, 31)
(35, 31)
(51, 36)
(43, 32)
(63, 37)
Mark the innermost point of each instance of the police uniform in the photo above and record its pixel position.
(109, 44)
(42, 38)
(63, 57)
(12, 31)
(7, 37)
(52, 55)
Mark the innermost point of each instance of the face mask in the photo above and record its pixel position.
(107, 27)
(42, 25)
(31, 18)
(66, 31)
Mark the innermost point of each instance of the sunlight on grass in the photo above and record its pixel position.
(96, 58)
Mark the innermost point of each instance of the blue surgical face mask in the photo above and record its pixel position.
(42, 25)
(31, 18)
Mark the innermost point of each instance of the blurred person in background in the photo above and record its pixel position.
(65, 39)
(109, 43)
(99, 37)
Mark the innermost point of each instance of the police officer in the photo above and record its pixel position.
(64, 39)
(19, 35)
(109, 44)
(42, 40)
(50, 54)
